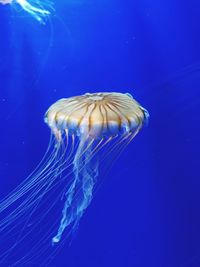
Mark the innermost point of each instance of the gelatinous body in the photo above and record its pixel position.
(87, 131)
(94, 118)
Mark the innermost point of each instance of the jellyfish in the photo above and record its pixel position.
(87, 132)
(39, 9)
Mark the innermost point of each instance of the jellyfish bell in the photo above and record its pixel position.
(87, 130)
(96, 115)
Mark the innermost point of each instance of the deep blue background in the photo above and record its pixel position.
(147, 213)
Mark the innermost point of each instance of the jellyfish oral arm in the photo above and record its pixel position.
(35, 8)
(37, 12)
(32, 9)
(79, 195)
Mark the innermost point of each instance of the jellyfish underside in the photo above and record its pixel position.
(83, 138)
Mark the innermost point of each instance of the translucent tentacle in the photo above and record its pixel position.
(79, 194)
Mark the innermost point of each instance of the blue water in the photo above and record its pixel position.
(147, 212)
